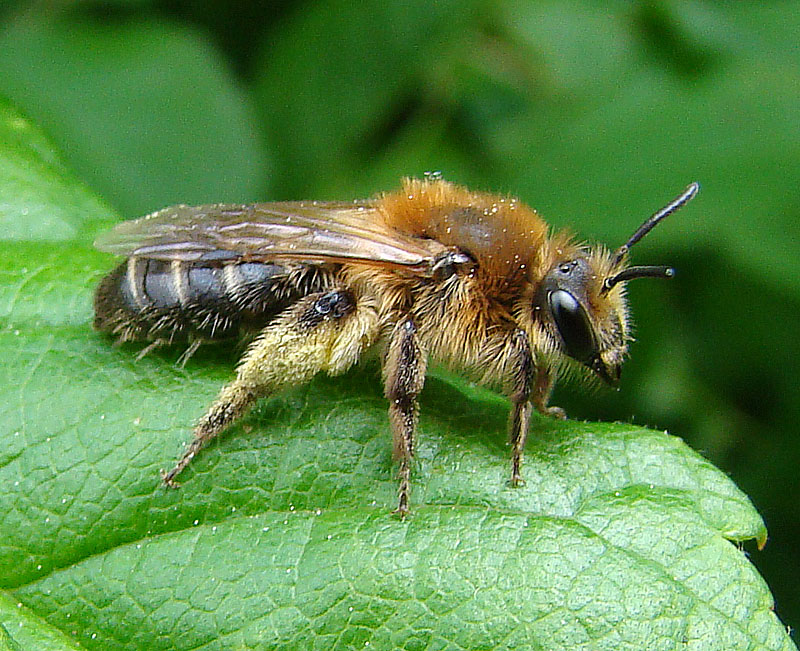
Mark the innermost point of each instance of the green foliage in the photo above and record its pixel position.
(139, 103)
(21, 629)
(595, 117)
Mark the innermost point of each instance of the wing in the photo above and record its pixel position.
(303, 231)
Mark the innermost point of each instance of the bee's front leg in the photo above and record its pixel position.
(542, 388)
(326, 331)
(523, 371)
(404, 374)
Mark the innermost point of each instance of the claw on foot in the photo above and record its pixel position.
(401, 512)
(554, 412)
(402, 507)
(168, 478)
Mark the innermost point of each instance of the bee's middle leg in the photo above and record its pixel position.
(325, 331)
(404, 375)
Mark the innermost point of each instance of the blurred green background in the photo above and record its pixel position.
(595, 115)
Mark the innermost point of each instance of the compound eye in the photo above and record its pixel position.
(573, 325)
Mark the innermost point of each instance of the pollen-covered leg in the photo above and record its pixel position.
(523, 372)
(404, 375)
(326, 331)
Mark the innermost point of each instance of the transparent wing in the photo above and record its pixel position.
(305, 231)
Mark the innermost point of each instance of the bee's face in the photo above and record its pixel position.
(583, 322)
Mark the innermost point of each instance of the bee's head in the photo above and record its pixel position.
(581, 301)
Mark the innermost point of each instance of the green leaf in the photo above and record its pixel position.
(21, 629)
(40, 200)
(282, 537)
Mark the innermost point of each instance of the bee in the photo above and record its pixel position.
(431, 272)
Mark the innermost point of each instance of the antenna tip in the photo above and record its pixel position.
(669, 272)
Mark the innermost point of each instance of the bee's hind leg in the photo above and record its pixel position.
(325, 331)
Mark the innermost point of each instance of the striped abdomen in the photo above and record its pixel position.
(145, 299)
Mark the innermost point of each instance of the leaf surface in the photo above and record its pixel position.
(281, 536)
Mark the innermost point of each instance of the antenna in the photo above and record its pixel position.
(650, 223)
(648, 271)
(638, 272)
